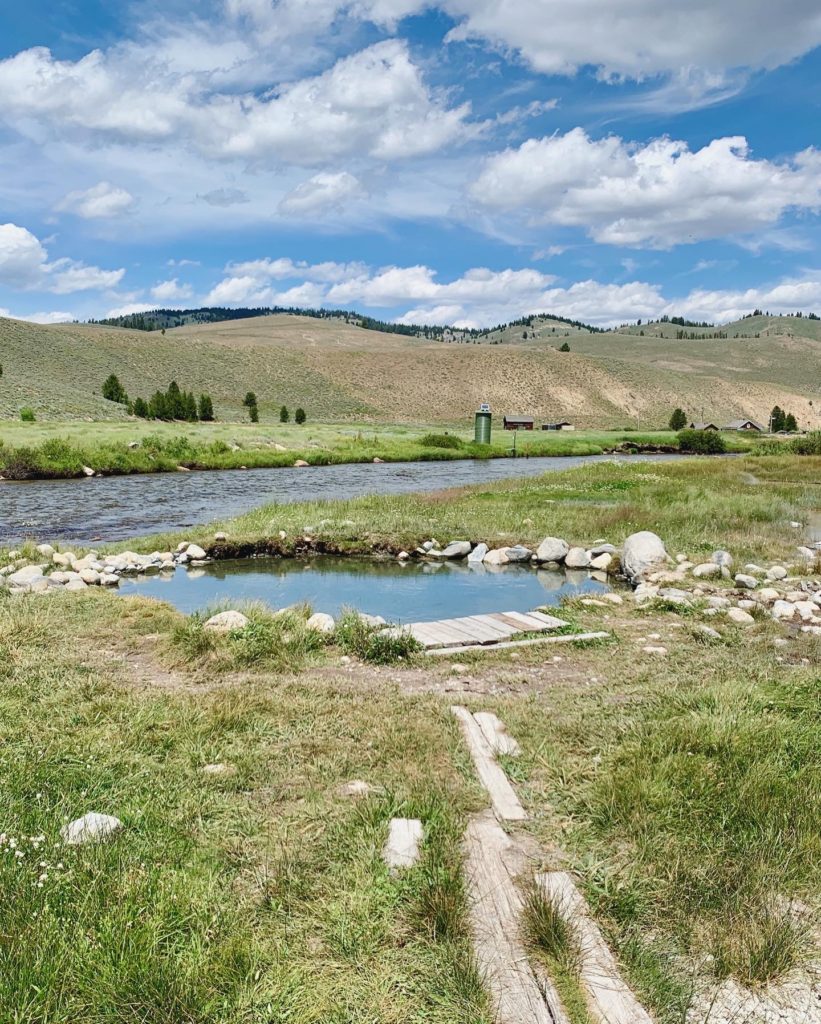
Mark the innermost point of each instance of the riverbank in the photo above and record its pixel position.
(66, 451)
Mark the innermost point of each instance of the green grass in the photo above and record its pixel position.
(51, 450)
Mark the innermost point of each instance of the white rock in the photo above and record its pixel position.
(718, 602)
(88, 471)
(602, 562)
(743, 580)
(777, 572)
(748, 605)
(456, 549)
(518, 553)
(642, 553)
(224, 622)
(659, 652)
(109, 579)
(612, 598)
(356, 788)
(706, 570)
(768, 594)
(220, 537)
(46, 550)
(722, 558)
(783, 610)
(708, 632)
(806, 609)
(74, 585)
(321, 622)
(89, 576)
(26, 576)
(552, 549)
(498, 556)
(91, 828)
(478, 553)
(577, 558)
(740, 617)
(195, 551)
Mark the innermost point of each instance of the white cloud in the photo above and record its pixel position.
(324, 191)
(170, 291)
(481, 297)
(40, 318)
(24, 264)
(129, 308)
(374, 102)
(225, 197)
(101, 201)
(659, 194)
(642, 38)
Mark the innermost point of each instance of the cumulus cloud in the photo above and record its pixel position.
(659, 194)
(374, 102)
(169, 291)
(481, 297)
(324, 191)
(101, 201)
(225, 197)
(54, 317)
(642, 38)
(24, 264)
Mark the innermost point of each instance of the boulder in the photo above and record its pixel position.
(456, 549)
(73, 585)
(46, 550)
(225, 622)
(109, 579)
(743, 580)
(195, 551)
(552, 549)
(91, 828)
(768, 595)
(602, 561)
(321, 622)
(642, 553)
(518, 553)
(706, 570)
(26, 576)
(777, 572)
(88, 471)
(602, 548)
(301, 463)
(90, 576)
(722, 558)
(498, 556)
(478, 553)
(707, 632)
(740, 617)
(577, 558)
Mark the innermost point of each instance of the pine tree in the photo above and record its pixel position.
(777, 419)
(565, 348)
(189, 407)
(249, 400)
(678, 421)
(141, 408)
(253, 412)
(206, 409)
(790, 423)
(113, 390)
(299, 416)
(284, 415)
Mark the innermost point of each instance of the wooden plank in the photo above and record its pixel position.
(609, 999)
(521, 623)
(502, 795)
(485, 632)
(549, 620)
(492, 862)
(512, 644)
(495, 732)
(463, 628)
(533, 622)
(401, 848)
(493, 623)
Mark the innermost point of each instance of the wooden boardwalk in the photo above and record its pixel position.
(479, 629)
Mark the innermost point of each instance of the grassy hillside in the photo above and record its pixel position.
(340, 372)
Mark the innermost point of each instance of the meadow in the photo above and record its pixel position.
(683, 793)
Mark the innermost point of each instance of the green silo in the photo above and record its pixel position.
(481, 434)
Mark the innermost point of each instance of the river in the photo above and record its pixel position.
(119, 507)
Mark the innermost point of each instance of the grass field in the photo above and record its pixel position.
(683, 793)
(32, 450)
(339, 372)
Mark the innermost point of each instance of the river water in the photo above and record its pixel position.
(118, 507)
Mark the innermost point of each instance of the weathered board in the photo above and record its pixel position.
(402, 846)
(508, 644)
(609, 999)
(492, 862)
(473, 630)
(495, 732)
(503, 797)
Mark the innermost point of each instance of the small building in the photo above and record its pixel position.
(749, 425)
(561, 425)
(709, 425)
(518, 422)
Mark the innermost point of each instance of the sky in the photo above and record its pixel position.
(459, 162)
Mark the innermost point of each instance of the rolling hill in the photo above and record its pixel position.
(339, 371)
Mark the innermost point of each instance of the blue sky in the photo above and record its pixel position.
(458, 161)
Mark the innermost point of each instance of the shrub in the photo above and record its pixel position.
(20, 463)
(253, 413)
(371, 643)
(701, 442)
(27, 414)
(206, 409)
(113, 391)
(441, 441)
(284, 415)
(809, 445)
(299, 416)
(565, 348)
